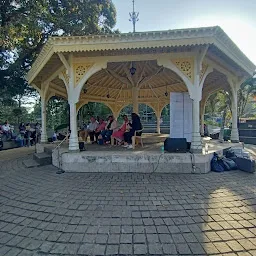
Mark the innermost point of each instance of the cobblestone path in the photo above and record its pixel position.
(42, 213)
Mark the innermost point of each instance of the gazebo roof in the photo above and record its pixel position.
(177, 38)
(114, 54)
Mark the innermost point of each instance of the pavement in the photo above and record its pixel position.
(42, 213)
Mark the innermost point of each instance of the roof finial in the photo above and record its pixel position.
(134, 17)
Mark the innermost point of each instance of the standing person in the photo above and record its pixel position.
(119, 134)
(109, 129)
(134, 126)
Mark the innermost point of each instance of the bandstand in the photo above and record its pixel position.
(141, 67)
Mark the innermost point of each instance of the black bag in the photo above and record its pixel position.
(244, 164)
(230, 153)
(217, 164)
(229, 164)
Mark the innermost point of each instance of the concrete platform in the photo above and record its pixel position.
(148, 159)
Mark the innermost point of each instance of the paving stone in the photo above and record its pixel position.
(196, 248)
(4, 249)
(113, 239)
(169, 249)
(99, 249)
(235, 246)
(139, 238)
(183, 249)
(140, 249)
(101, 238)
(86, 249)
(210, 248)
(112, 249)
(126, 239)
(155, 249)
(125, 249)
(222, 247)
(165, 238)
(247, 245)
(153, 238)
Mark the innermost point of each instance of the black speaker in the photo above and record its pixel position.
(81, 146)
(175, 145)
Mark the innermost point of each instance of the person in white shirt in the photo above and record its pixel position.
(90, 130)
(6, 129)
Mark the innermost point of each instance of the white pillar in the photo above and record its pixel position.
(135, 103)
(196, 143)
(158, 123)
(202, 117)
(234, 132)
(73, 140)
(44, 138)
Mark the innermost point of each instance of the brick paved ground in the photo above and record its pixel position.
(42, 213)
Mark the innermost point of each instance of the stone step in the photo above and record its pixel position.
(30, 163)
(48, 150)
(43, 158)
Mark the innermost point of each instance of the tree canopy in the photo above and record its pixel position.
(27, 24)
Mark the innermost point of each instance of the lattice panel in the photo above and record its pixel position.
(64, 73)
(186, 66)
(203, 70)
(80, 70)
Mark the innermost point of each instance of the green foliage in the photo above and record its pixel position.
(25, 25)
(219, 103)
(14, 114)
(246, 94)
(211, 122)
(57, 112)
(93, 109)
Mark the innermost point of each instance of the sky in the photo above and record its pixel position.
(236, 17)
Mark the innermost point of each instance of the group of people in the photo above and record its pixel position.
(26, 135)
(102, 132)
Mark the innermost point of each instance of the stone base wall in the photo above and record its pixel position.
(133, 162)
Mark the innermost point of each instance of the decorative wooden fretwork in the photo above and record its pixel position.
(203, 70)
(186, 66)
(65, 76)
(80, 70)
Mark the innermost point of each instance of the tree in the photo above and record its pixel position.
(245, 93)
(220, 101)
(25, 25)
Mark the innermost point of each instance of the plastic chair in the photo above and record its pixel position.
(136, 139)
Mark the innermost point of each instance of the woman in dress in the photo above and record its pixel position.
(119, 134)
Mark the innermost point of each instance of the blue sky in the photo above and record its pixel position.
(236, 17)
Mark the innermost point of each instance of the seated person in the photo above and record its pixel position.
(119, 134)
(135, 126)
(100, 128)
(27, 135)
(38, 132)
(20, 140)
(54, 136)
(22, 128)
(93, 125)
(6, 129)
(109, 129)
